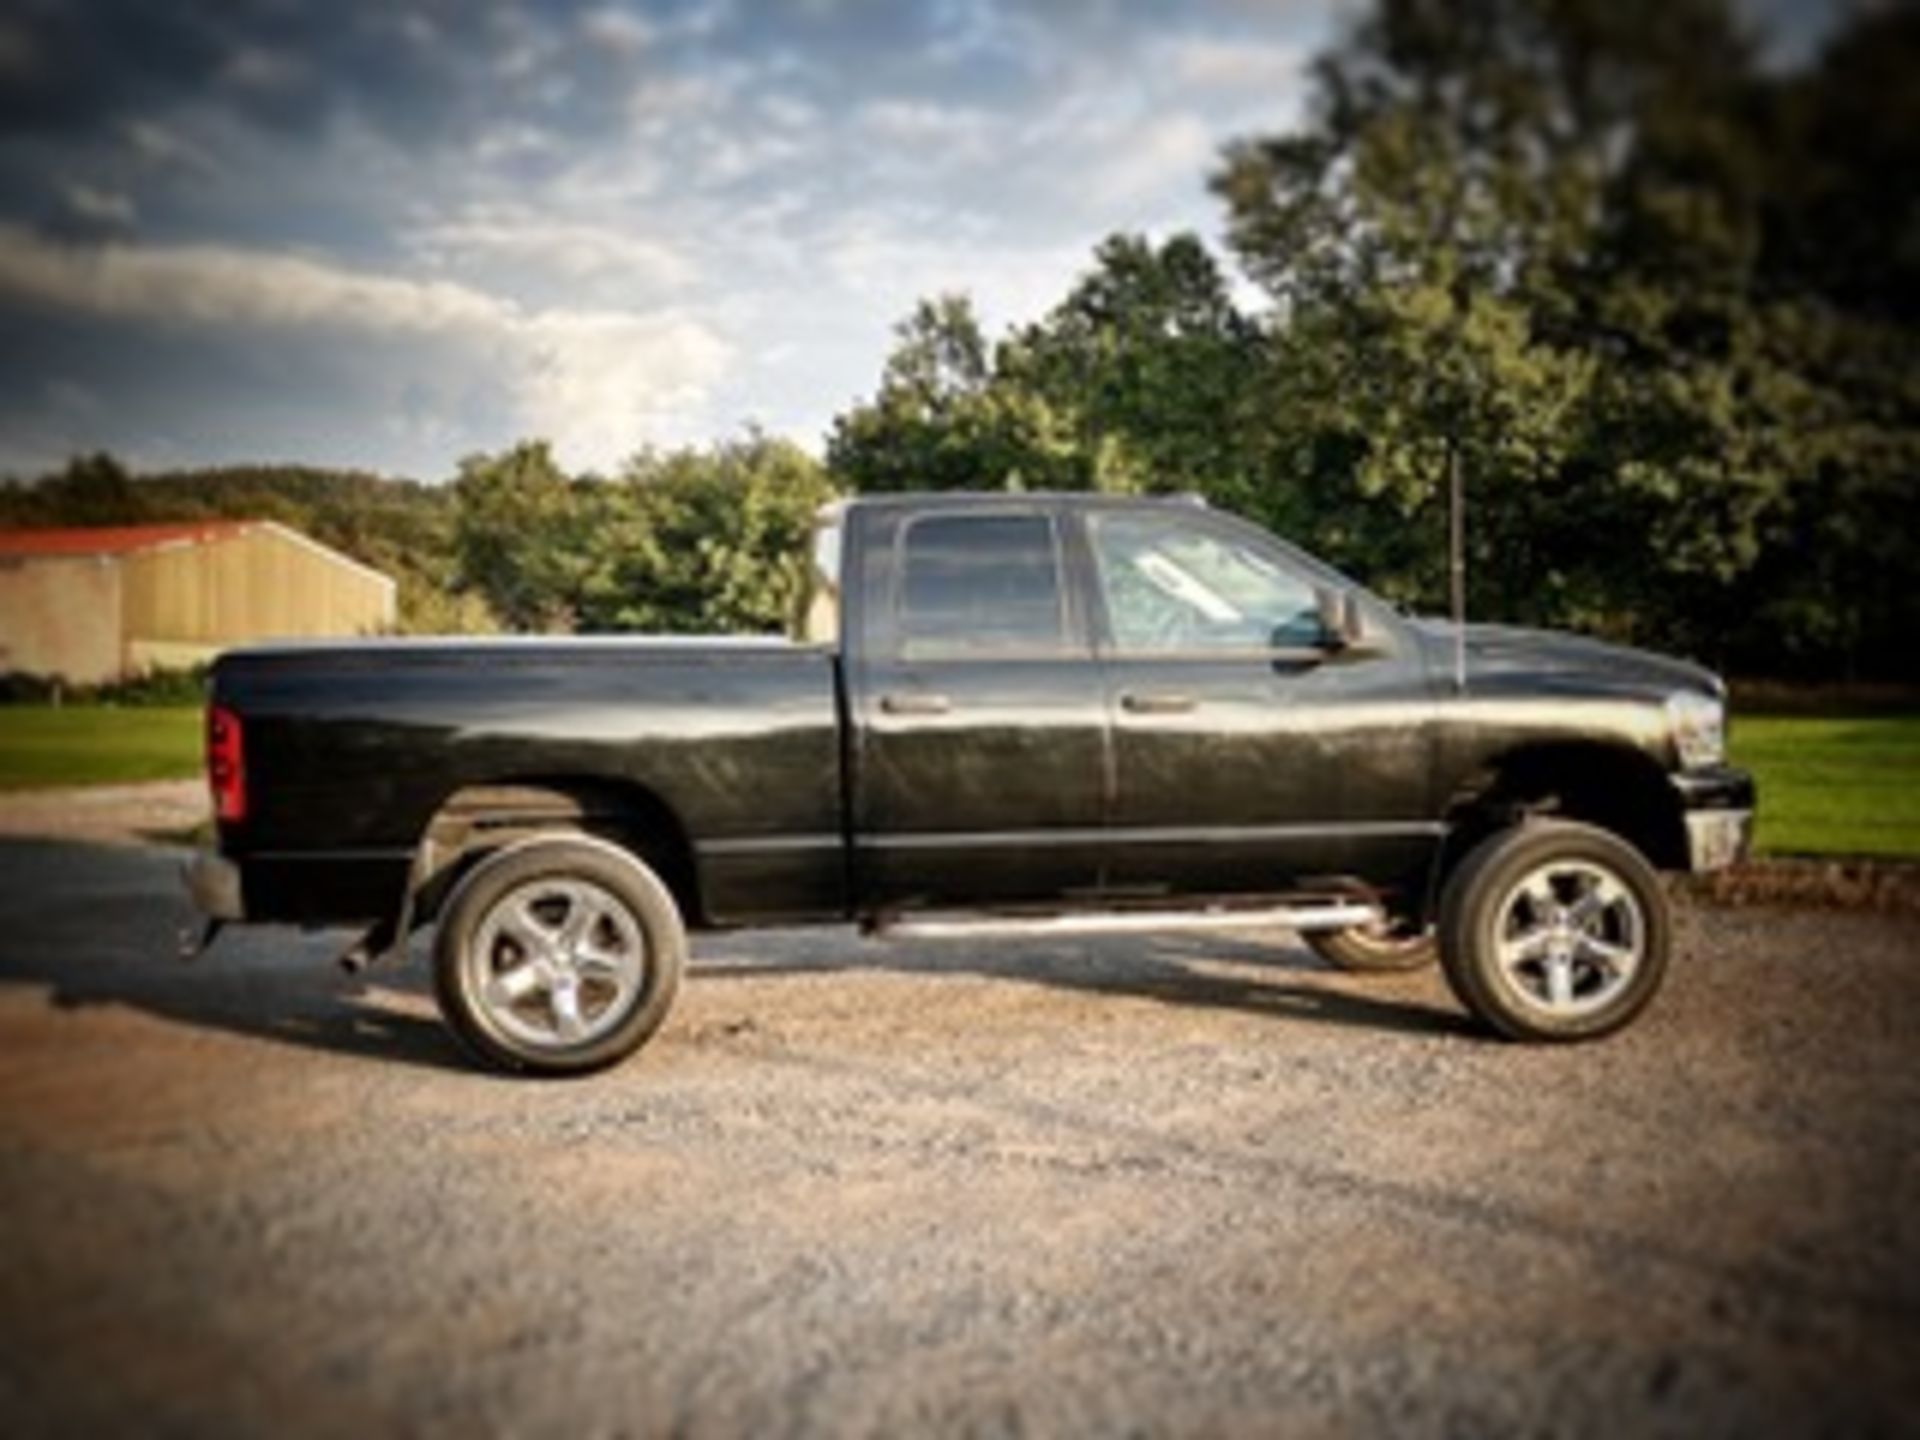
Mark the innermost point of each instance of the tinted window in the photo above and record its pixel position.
(1171, 585)
(975, 583)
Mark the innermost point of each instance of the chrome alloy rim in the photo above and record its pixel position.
(1570, 937)
(556, 963)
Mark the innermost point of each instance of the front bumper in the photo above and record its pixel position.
(1717, 808)
(213, 883)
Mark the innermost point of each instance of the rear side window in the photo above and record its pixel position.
(980, 584)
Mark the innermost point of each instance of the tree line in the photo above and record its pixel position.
(1653, 299)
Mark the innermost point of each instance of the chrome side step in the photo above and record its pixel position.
(1327, 915)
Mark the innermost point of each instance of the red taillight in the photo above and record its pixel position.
(226, 764)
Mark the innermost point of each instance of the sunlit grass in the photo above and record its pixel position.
(96, 745)
(1834, 786)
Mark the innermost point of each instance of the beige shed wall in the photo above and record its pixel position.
(260, 585)
(60, 615)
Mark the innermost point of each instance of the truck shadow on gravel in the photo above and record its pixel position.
(101, 926)
(310, 1007)
(1168, 969)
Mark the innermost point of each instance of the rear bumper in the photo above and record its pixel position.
(1717, 808)
(322, 888)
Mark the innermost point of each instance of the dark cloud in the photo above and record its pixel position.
(415, 71)
(427, 69)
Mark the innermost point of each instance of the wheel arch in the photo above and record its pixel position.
(478, 819)
(1612, 787)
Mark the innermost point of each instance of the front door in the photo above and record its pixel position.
(1250, 756)
(980, 716)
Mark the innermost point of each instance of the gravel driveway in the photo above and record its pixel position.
(1183, 1185)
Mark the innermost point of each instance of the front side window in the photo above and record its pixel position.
(977, 584)
(1173, 586)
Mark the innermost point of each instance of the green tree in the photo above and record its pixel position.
(1563, 244)
(704, 541)
(1137, 381)
(93, 489)
(1833, 591)
(525, 534)
(1426, 236)
(1151, 367)
(943, 421)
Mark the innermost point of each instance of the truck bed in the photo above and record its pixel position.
(356, 747)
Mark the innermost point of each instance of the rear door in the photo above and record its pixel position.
(979, 742)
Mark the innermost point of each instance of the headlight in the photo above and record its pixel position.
(1699, 725)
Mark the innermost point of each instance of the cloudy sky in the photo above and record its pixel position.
(388, 234)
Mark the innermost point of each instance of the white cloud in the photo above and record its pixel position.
(222, 285)
(604, 382)
(892, 260)
(918, 121)
(1232, 64)
(600, 383)
(254, 67)
(790, 112)
(573, 251)
(99, 207)
(513, 140)
(167, 149)
(615, 29)
(1169, 150)
(672, 97)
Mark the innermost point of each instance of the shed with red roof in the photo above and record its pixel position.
(100, 603)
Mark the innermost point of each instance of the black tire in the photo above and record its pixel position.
(1370, 950)
(1521, 891)
(621, 970)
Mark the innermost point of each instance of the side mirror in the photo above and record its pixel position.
(1340, 624)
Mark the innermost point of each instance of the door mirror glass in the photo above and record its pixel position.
(1341, 627)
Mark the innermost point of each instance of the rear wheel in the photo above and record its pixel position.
(1379, 949)
(558, 956)
(1554, 931)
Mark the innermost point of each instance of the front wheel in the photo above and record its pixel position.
(558, 956)
(1554, 931)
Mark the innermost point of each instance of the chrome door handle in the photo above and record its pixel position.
(915, 703)
(1156, 702)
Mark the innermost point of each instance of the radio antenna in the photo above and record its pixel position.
(1457, 564)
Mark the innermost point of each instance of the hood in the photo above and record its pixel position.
(1501, 652)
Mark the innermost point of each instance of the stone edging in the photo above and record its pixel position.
(1888, 886)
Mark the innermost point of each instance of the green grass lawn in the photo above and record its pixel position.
(1831, 786)
(96, 745)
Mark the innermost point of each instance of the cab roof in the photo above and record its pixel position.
(956, 499)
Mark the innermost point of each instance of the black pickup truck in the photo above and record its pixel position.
(1000, 712)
